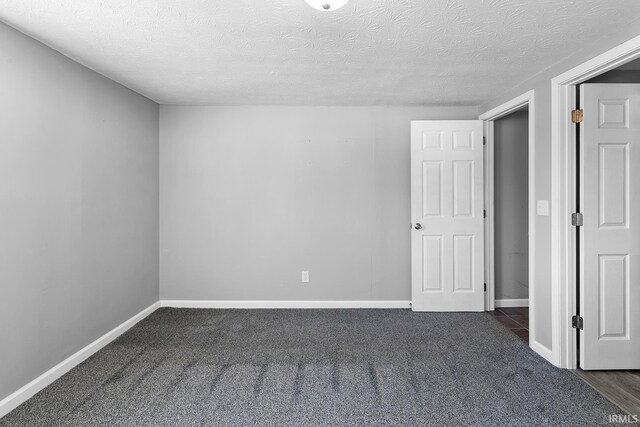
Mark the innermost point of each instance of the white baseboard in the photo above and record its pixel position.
(543, 351)
(18, 397)
(524, 302)
(283, 304)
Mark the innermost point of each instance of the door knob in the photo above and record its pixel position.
(418, 226)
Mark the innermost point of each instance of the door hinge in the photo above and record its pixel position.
(577, 219)
(484, 213)
(577, 116)
(484, 140)
(577, 322)
(485, 287)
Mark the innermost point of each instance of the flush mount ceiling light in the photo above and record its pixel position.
(326, 5)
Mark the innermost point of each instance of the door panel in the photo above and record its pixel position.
(446, 200)
(432, 271)
(463, 264)
(612, 197)
(610, 236)
(612, 287)
(463, 188)
(432, 188)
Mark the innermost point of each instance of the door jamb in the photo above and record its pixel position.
(526, 99)
(563, 194)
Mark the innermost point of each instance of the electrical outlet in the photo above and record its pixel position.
(305, 277)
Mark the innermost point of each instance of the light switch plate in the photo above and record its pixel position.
(305, 277)
(542, 208)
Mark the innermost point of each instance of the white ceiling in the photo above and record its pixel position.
(387, 52)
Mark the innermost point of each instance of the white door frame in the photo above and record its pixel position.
(524, 100)
(563, 195)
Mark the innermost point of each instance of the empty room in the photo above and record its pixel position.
(319, 213)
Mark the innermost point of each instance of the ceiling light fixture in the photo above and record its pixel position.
(326, 5)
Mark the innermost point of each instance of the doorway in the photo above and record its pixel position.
(510, 224)
(600, 146)
(567, 326)
(510, 217)
(607, 245)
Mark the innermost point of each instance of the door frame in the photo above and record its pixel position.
(525, 100)
(563, 195)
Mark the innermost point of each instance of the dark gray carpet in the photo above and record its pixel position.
(184, 367)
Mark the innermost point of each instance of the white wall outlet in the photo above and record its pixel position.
(542, 208)
(305, 277)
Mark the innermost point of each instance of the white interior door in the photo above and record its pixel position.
(610, 236)
(447, 241)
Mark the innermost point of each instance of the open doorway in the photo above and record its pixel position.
(510, 221)
(511, 217)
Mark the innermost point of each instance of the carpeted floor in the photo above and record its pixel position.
(186, 367)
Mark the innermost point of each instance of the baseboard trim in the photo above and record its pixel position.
(20, 396)
(524, 302)
(283, 304)
(543, 351)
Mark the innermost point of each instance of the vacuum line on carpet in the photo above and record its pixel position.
(373, 378)
(218, 378)
(260, 379)
(335, 377)
(298, 382)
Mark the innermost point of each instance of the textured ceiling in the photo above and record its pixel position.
(370, 52)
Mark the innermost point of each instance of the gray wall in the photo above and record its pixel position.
(78, 207)
(511, 220)
(251, 196)
(599, 42)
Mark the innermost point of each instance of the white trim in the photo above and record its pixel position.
(543, 351)
(508, 107)
(517, 103)
(489, 236)
(283, 304)
(18, 397)
(563, 194)
(504, 303)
